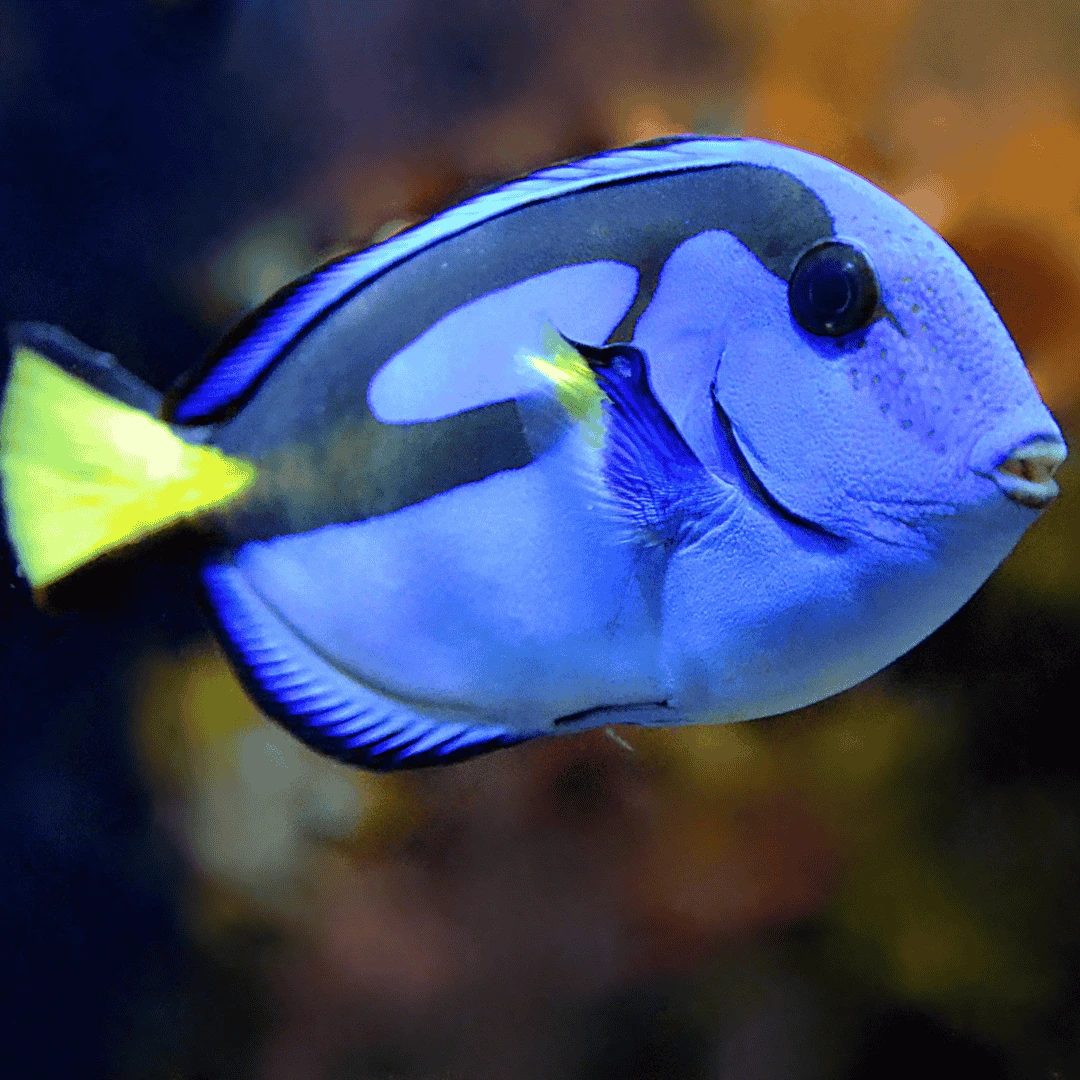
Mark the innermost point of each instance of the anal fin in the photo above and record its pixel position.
(321, 705)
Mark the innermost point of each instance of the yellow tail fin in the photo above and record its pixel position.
(84, 474)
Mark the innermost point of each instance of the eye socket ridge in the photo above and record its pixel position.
(833, 290)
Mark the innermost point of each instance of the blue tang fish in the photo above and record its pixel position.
(696, 431)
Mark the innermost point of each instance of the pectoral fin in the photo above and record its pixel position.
(652, 480)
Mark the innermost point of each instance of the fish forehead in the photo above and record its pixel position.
(942, 368)
(955, 346)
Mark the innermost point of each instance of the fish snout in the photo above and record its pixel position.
(1027, 475)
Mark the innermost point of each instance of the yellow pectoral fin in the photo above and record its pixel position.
(83, 473)
(574, 383)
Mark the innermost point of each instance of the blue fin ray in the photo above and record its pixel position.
(403, 738)
(373, 732)
(654, 479)
(321, 705)
(442, 736)
(467, 740)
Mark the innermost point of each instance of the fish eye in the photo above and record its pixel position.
(833, 290)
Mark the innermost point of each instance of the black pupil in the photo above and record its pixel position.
(830, 292)
(833, 290)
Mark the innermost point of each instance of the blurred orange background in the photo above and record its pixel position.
(883, 882)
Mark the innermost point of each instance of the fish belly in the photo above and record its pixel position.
(510, 597)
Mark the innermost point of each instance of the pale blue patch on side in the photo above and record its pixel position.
(685, 329)
(471, 356)
(283, 323)
(319, 704)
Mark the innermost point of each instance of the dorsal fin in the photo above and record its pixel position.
(248, 352)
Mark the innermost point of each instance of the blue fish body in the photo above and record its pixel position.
(816, 441)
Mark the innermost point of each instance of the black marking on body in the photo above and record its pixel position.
(320, 387)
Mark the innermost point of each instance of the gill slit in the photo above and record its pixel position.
(756, 488)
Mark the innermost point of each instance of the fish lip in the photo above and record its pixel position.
(1026, 474)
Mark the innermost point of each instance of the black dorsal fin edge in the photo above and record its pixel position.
(99, 369)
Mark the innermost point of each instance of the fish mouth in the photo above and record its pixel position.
(1027, 475)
